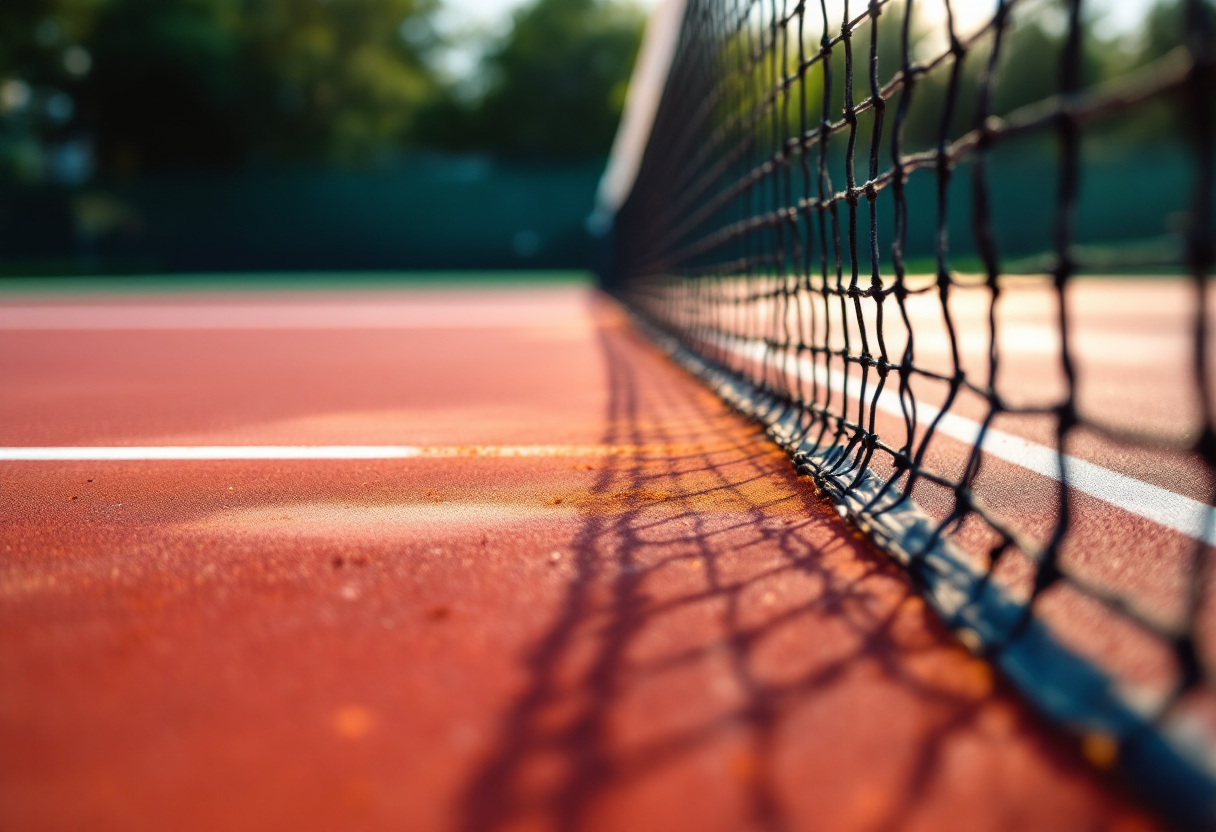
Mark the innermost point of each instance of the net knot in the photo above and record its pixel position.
(964, 503)
(987, 133)
(1200, 252)
(1189, 666)
(1066, 416)
(1205, 445)
(1066, 264)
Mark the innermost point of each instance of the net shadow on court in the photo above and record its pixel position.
(714, 607)
(788, 187)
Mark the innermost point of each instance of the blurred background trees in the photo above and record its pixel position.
(186, 133)
(145, 86)
(1029, 70)
(217, 82)
(553, 88)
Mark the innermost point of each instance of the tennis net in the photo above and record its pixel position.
(875, 227)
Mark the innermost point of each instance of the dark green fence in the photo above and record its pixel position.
(445, 212)
(423, 213)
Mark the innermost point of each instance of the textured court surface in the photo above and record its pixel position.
(641, 620)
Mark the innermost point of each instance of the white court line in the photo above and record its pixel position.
(290, 452)
(1160, 505)
(288, 316)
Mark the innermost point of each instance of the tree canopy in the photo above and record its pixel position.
(155, 85)
(165, 83)
(556, 84)
(169, 84)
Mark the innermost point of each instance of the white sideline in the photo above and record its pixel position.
(212, 316)
(1160, 505)
(188, 453)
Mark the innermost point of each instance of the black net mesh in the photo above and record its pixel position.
(879, 228)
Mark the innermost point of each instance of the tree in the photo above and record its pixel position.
(556, 84)
(165, 84)
(338, 79)
(1163, 30)
(166, 90)
(41, 69)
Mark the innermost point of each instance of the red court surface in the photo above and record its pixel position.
(587, 597)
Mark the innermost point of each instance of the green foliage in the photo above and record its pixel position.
(556, 84)
(1029, 70)
(339, 80)
(168, 84)
(206, 83)
(35, 33)
(1163, 31)
(222, 83)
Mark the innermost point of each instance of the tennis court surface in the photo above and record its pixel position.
(531, 574)
(872, 489)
